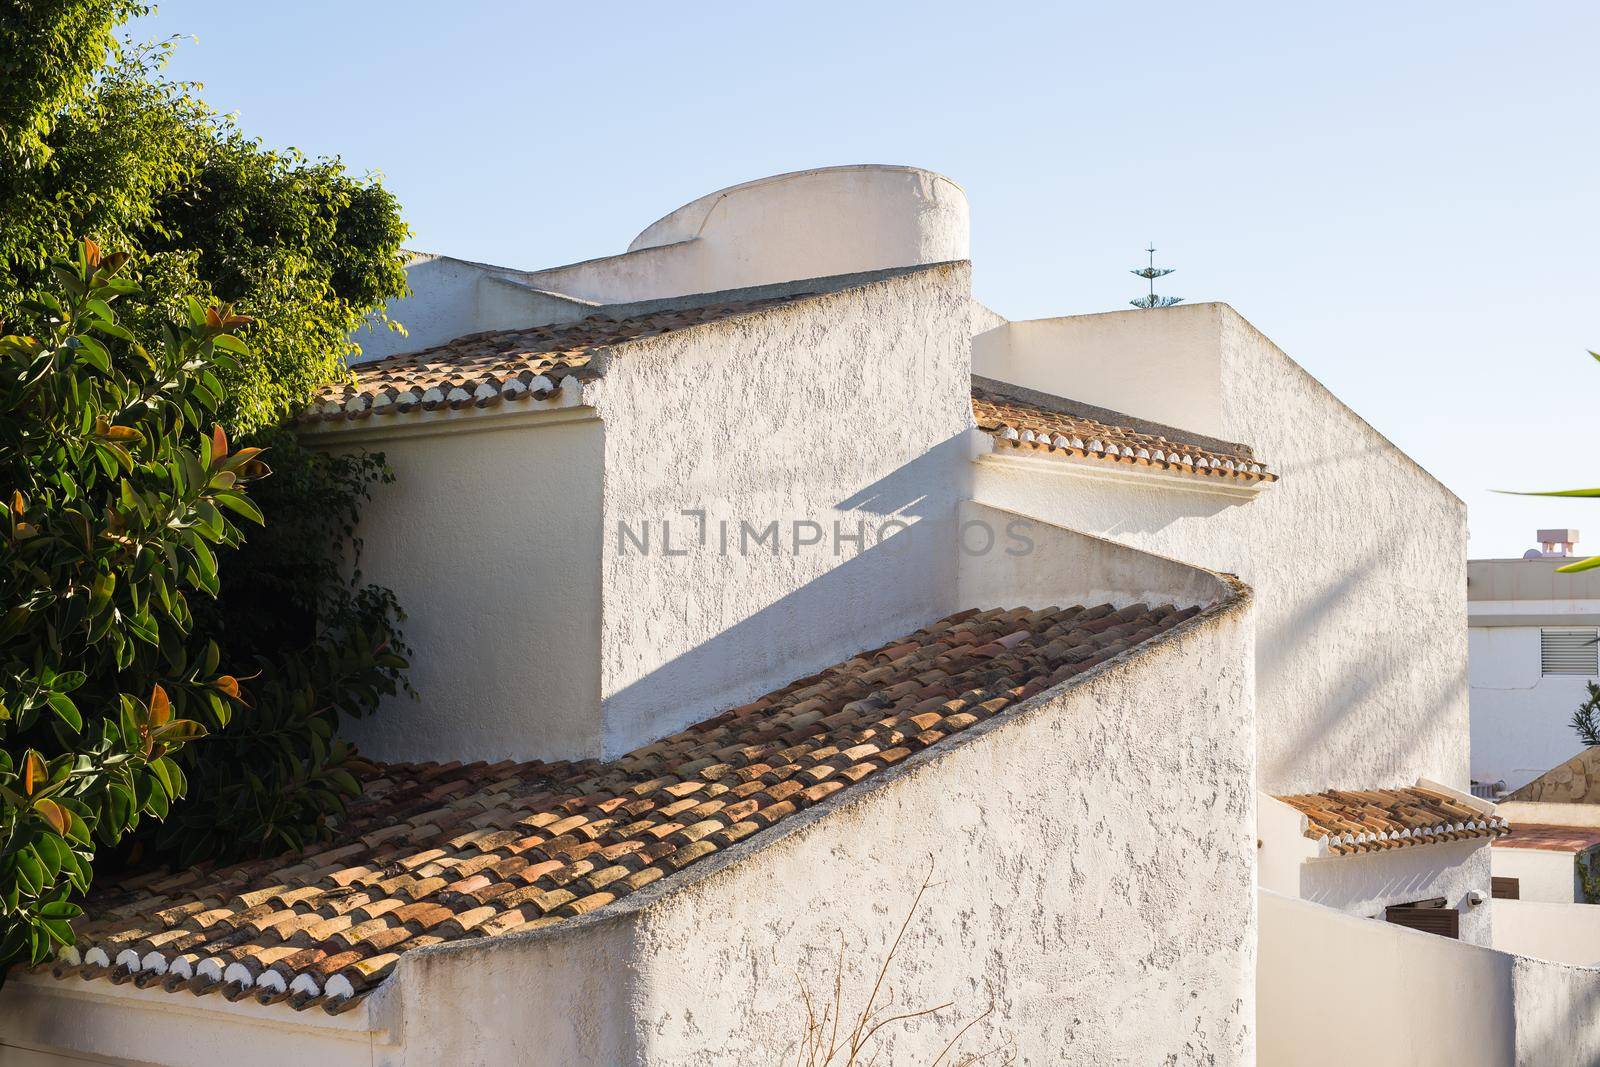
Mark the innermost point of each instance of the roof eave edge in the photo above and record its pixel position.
(1129, 474)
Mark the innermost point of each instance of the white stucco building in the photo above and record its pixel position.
(757, 575)
(1532, 658)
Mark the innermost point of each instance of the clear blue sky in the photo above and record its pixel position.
(1403, 196)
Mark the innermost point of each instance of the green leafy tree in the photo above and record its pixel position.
(95, 139)
(119, 488)
(100, 143)
(1586, 719)
(48, 51)
(324, 647)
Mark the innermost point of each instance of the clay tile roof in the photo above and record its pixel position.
(483, 369)
(1375, 820)
(1549, 838)
(1020, 424)
(435, 852)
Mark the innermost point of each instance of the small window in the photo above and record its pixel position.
(1506, 888)
(1569, 652)
(1428, 916)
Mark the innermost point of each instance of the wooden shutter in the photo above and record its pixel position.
(1445, 922)
(1506, 888)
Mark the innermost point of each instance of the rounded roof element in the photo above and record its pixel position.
(814, 223)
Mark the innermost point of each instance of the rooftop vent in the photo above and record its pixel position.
(1553, 544)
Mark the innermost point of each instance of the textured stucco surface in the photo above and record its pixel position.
(1521, 720)
(1557, 1010)
(491, 542)
(1357, 557)
(1368, 883)
(1364, 884)
(1074, 840)
(1007, 558)
(847, 409)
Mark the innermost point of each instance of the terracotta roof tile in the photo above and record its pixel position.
(1018, 424)
(1375, 820)
(484, 369)
(433, 852)
(1550, 838)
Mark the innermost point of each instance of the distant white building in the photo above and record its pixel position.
(1532, 651)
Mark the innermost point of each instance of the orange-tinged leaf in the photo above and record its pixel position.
(179, 731)
(212, 317)
(91, 252)
(228, 684)
(160, 707)
(34, 772)
(18, 504)
(53, 813)
(219, 443)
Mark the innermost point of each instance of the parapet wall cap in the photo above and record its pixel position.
(691, 220)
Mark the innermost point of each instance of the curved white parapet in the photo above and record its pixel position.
(809, 224)
(815, 223)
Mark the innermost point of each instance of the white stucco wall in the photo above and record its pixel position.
(1357, 557)
(1517, 812)
(490, 538)
(1336, 990)
(1521, 720)
(45, 1022)
(1011, 559)
(813, 223)
(1165, 367)
(1093, 850)
(1564, 931)
(1541, 875)
(1368, 883)
(808, 224)
(851, 408)
(451, 298)
(1365, 884)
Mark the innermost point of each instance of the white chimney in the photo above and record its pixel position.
(1553, 544)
